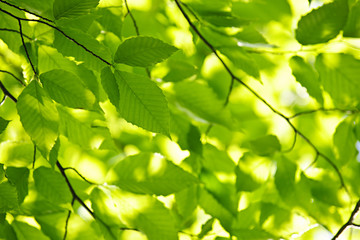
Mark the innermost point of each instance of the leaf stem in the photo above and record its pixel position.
(80, 175)
(25, 48)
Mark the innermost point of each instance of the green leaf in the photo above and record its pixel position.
(322, 24)
(307, 77)
(285, 178)
(151, 174)
(50, 59)
(212, 207)
(67, 89)
(202, 101)
(82, 131)
(245, 181)
(110, 86)
(265, 146)
(352, 27)
(144, 213)
(38, 116)
(241, 60)
(344, 142)
(68, 47)
(72, 8)
(142, 102)
(20, 178)
(106, 207)
(179, 70)
(52, 185)
(3, 124)
(186, 201)
(54, 152)
(25, 231)
(339, 76)
(206, 227)
(143, 51)
(16, 154)
(8, 197)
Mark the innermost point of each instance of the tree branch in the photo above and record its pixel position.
(11, 74)
(80, 175)
(287, 119)
(349, 222)
(348, 111)
(25, 10)
(26, 51)
(132, 18)
(59, 30)
(7, 93)
(15, 31)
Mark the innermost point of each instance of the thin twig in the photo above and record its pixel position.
(349, 222)
(73, 193)
(67, 220)
(18, 79)
(132, 18)
(213, 49)
(15, 31)
(7, 93)
(26, 51)
(350, 111)
(34, 156)
(80, 175)
(292, 145)
(59, 30)
(25, 10)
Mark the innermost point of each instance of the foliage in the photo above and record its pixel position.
(179, 119)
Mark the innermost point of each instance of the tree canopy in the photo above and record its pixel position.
(179, 119)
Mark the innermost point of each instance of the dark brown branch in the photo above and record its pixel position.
(11, 74)
(132, 18)
(25, 10)
(34, 157)
(73, 193)
(25, 48)
(349, 222)
(67, 220)
(80, 175)
(60, 31)
(348, 111)
(7, 93)
(15, 31)
(213, 49)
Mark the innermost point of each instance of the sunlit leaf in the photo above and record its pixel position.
(66, 88)
(307, 77)
(143, 51)
(203, 102)
(344, 142)
(94, 54)
(285, 177)
(25, 231)
(52, 185)
(240, 59)
(212, 207)
(339, 77)
(144, 213)
(148, 173)
(352, 28)
(323, 23)
(39, 116)
(72, 8)
(142, 102)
